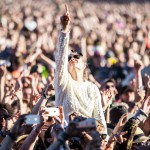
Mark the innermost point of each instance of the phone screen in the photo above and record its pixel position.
(32, 119)
(53, 111)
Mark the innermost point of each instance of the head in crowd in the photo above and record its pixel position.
(5, 112)
(116, 112)
(109, 84)
(76, 64)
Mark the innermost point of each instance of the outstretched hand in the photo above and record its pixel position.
(122, 121)
(146, 80)
(119, 137)
(138, 65)
(106, 98)
(65, 19)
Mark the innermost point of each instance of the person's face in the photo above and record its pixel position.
(27, 93)
(111, 86)
(75, 62)
(3, 117)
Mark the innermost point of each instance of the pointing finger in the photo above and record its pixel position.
(66, 6)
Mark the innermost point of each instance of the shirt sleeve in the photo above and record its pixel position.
(61, 60)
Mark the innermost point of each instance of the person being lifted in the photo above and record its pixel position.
(73, 92)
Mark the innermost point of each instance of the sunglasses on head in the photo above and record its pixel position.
(74, 56)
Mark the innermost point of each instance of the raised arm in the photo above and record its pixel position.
(61, 55)
(138, 65)
(2, 81)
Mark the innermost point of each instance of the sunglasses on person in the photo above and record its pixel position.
(74, 56)
(109, 86)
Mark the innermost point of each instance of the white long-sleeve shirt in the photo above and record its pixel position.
(74, 96)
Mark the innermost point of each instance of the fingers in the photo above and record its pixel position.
(123, 133)
(119, 137)
(57, 119)
(66, 7)
(61, 109)
(67, 11)
(123, 116)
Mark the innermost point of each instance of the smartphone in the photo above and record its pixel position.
(32, 119)
(53, 111)
(5, 62)
(89, 123)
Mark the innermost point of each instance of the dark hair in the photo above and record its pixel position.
(34, 69)
(47, 135)
(106, 81)
(116, 112)
(75, 142)
(7, 107)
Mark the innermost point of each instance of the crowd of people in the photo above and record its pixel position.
(74, 76)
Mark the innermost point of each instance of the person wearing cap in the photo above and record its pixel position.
(109, 84)
(73, 91)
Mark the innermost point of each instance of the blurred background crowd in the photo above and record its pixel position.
(114, 37)
(111, 35)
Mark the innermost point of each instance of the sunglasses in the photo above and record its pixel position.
(74, 56)
(109, 86)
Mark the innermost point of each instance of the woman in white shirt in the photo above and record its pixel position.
(72, 91)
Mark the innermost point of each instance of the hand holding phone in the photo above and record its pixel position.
(52, 111)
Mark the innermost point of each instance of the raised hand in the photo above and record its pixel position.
(120, 124)
(138, 65)
(140, 94)
(65, 19)
(146, 80)
(146, 105)
(106, 98)
(18, 89)
(49, 89)
(119, 137)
